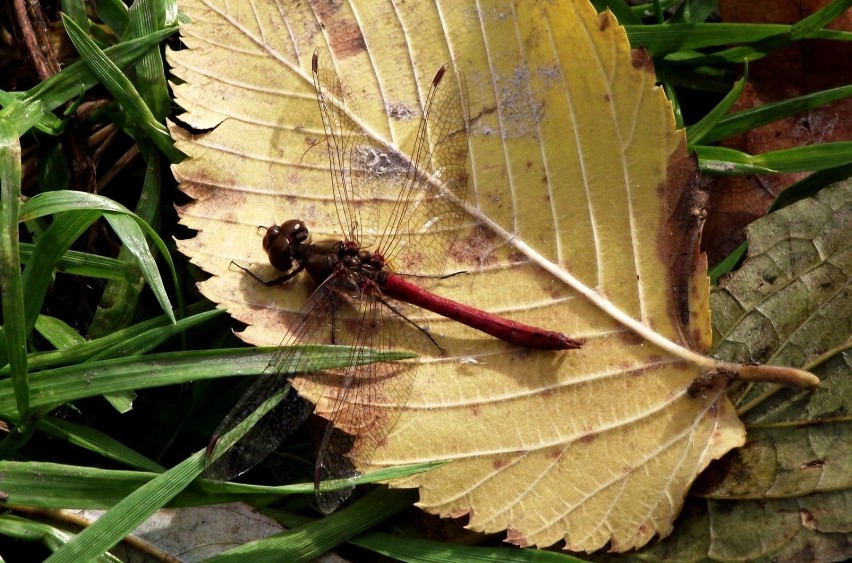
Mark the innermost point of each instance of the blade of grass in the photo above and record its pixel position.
(803, 28)
(114, 14)
(728, 264)
(25, 115)
(697, 132)
(70, 82)
(693, 11)
(120, 299)
(11, 282)
(662, 39)
(57, 332)
(97, 442)
(809, 186)
(417, 550)
(37, 277)
(147, 16)
(65, 200)
(122, 89)
(749, 119)
(722, 160)
(52, 538)
(315, 538)
(55, 486)
(88, 265)
(92, 379)
(141, 336)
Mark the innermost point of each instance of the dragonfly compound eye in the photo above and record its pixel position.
(295, 231)
(277, 246)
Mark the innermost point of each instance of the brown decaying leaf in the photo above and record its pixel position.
(584, 217)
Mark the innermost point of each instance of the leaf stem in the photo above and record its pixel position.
(772, 374)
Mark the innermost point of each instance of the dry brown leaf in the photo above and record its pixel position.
(583, 218)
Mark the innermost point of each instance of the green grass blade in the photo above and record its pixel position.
(147, 16)
(55, 486)
(805, 27)
(97, 442)
(65, 200)
(57, 332)
(131, 235)
(65, 229)
(70, 82)
(24, 116)
(150, 339)
(52, 538)
(76, 10)
(662, 39)
(725, 161)
(89, 265)
(697, 132)
(131, 512)
(417, 550)
(15, 325)
(746, 120)
(727, 264)
(315, 538)
(122, 89)
(808, 187)
(693, 11)
(136, 339)
(93, 379)
(114, 14)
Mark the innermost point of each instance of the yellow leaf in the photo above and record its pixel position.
(583, 217)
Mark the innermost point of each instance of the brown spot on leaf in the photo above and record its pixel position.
(517, 257)
(630, 338)
(588, 438)
(680, 237)
(475, 248)
(642, 60)
(344, 35)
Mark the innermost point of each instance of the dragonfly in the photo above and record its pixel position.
(360, 300)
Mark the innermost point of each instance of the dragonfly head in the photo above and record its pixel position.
(286, 243)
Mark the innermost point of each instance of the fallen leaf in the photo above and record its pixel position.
(584, 217)
(784, 495)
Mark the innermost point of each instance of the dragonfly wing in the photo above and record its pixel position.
(349, 147)
(429, 210)
(366, 398)
(312, 324)
(267, 432)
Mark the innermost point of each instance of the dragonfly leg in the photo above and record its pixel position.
(425, 331)
(432, 277)
(276, 281)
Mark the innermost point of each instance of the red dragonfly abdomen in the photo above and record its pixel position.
(507, 330)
